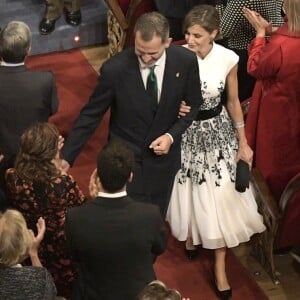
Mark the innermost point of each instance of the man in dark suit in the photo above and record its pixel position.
(113, 239)
(26, 96)
(150, 126)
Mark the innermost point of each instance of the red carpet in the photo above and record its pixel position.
(194, 279)
(76, 80)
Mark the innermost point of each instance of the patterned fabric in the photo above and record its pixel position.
(50, 202)
(214, 136)
(26, 283)
(204, 204)
(236, 28)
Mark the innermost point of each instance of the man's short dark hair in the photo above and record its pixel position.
(114, 165)
(151, 24)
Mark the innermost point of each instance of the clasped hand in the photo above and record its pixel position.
(161, 145)
(245, 153)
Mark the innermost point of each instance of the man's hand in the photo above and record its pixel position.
(161, 145)
(183, 109)
(1, 157)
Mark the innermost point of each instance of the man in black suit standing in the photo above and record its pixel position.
(143, 86)
(26, 96)
(113, 239)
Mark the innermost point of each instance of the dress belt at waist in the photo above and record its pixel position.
(209, 113)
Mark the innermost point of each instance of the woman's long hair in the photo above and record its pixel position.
(37, 149)
(292, 10)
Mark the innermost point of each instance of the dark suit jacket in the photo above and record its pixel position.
(26, 97)
(113, 240)
(121, 88)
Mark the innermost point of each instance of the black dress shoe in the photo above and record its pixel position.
(46, 26)
(73, 17)
(191, 254)
(224, 295)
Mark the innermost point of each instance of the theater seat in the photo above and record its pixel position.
(121, 19)
(281, 219)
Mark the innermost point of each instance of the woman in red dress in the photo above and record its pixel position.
(37, 187)
(273, 120)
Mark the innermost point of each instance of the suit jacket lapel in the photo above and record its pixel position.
(168, 80)
(134, 79)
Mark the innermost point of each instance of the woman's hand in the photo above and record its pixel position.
(183, 109)
(36, 240)
(260, 24)
(245, 153)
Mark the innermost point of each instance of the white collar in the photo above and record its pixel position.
(3, 63)
(112, 195)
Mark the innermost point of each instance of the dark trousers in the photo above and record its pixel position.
(55, 8)
(152, 185)
(245, 81)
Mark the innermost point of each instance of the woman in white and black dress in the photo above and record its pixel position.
(204, 207)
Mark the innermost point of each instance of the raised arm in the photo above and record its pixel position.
(264, 59)
(36, 240)
(90, 116)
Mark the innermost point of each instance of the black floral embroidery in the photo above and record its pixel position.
(207, 144)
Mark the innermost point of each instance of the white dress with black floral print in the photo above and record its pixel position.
(204, 204)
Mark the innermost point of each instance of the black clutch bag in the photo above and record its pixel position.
(242, 176)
